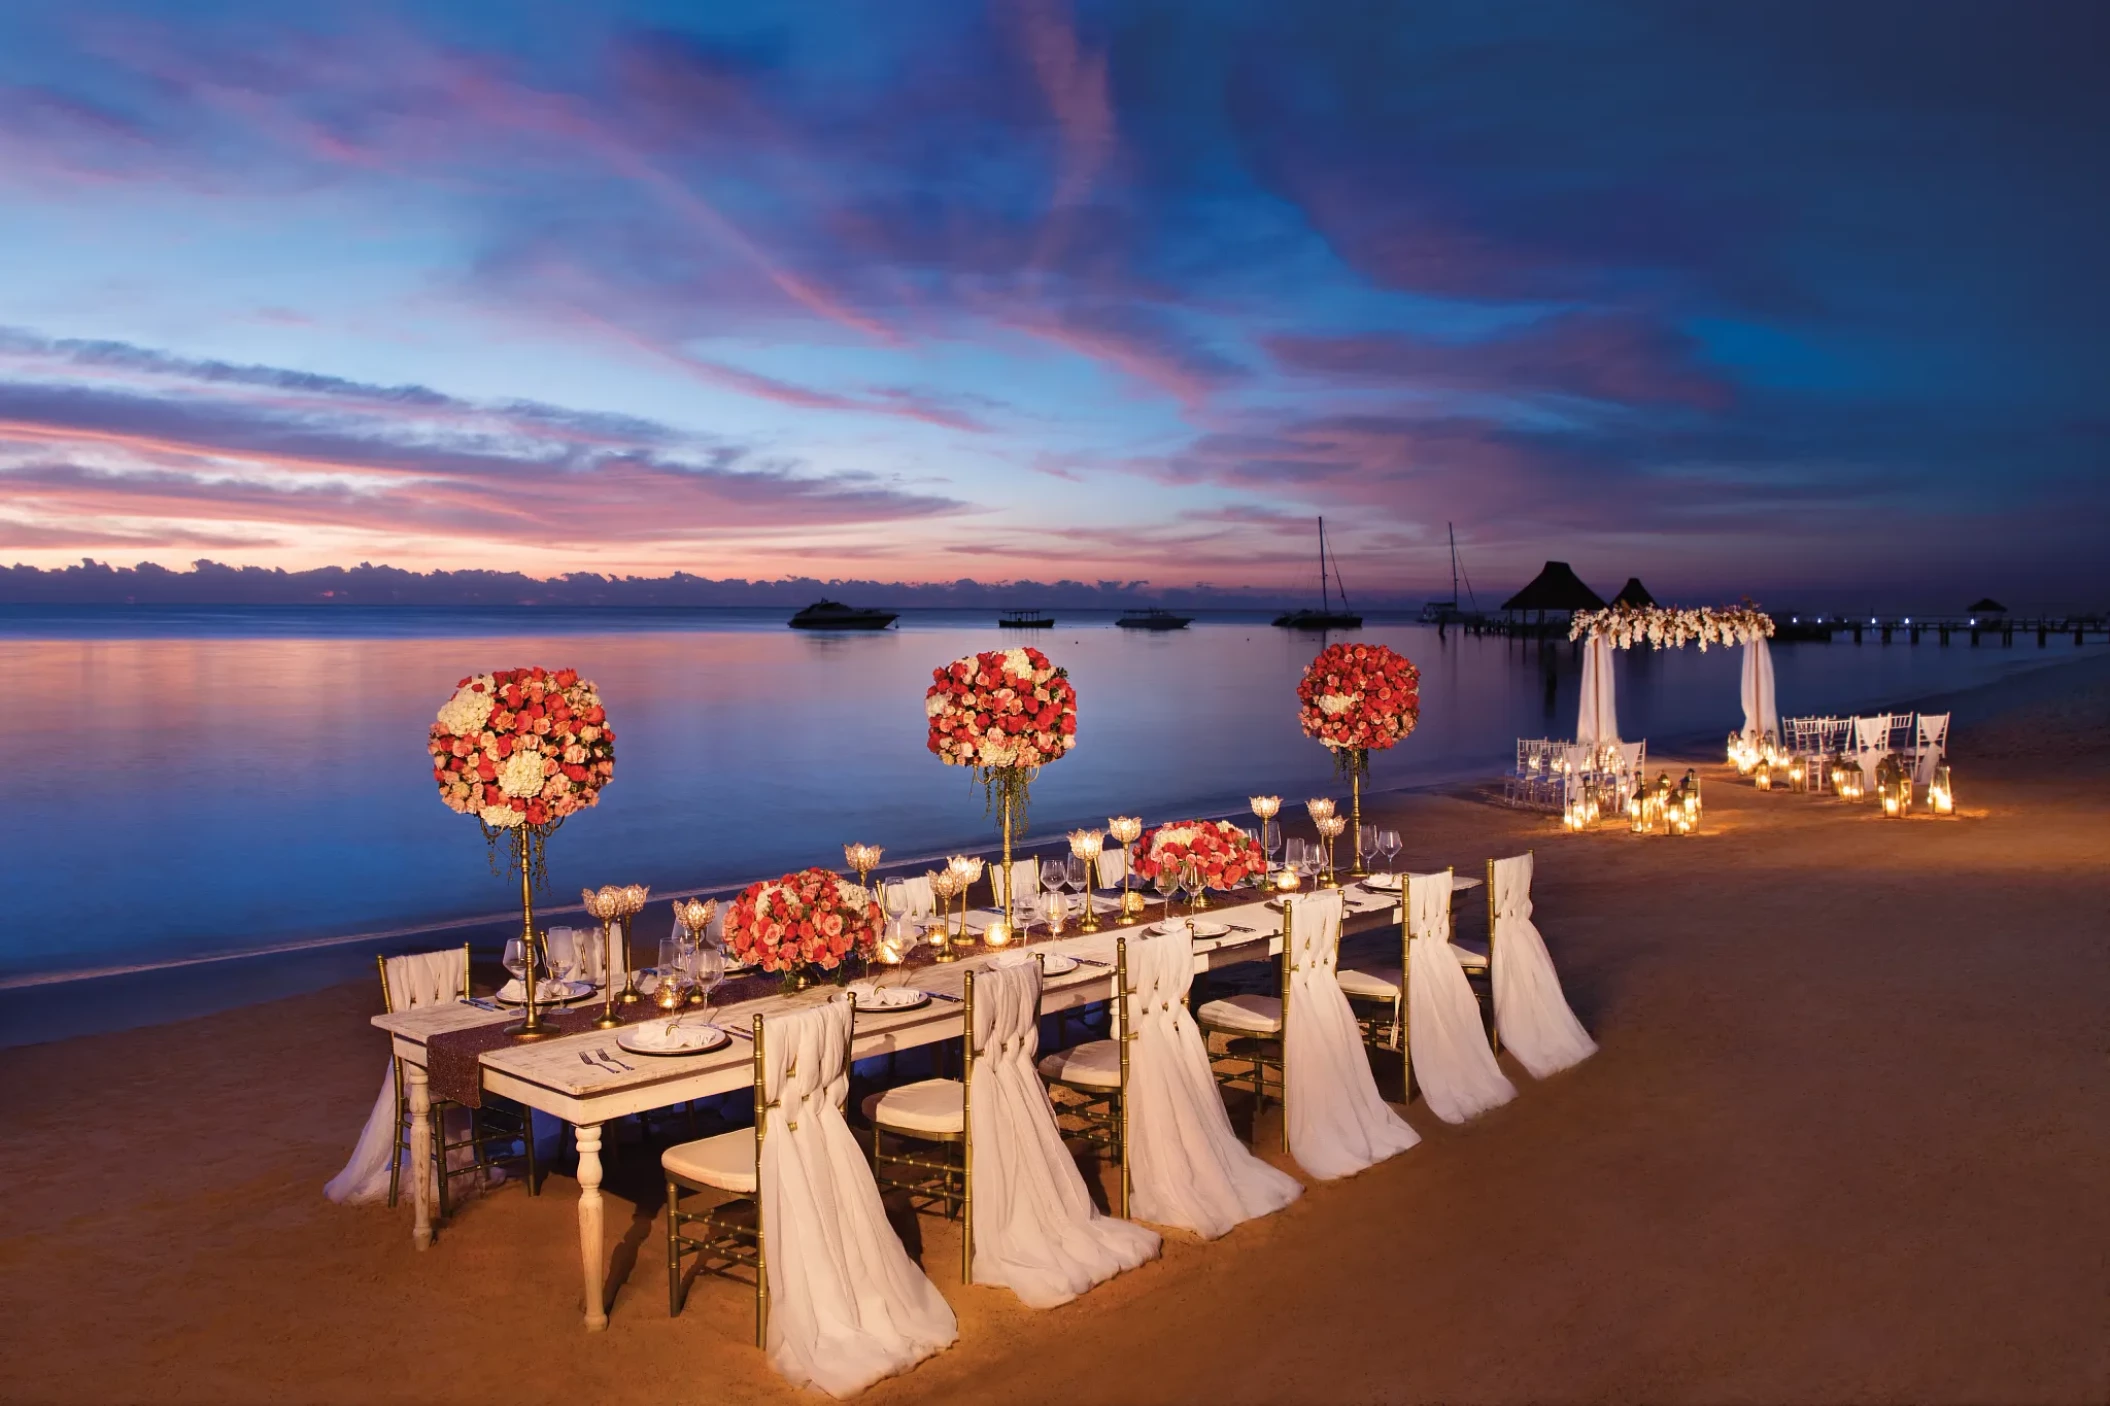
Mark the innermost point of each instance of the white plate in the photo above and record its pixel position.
(547, 993)
(888, 998)
(1202, 928)
(1383, 883)
(1056, 964)
(660, 1037)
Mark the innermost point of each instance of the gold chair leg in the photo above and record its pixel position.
(400, 1148)
(673, 1250)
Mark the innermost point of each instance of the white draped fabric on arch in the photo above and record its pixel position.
(1761, 711)
(1597, 722)
(1337, 1123)
(1036, 1231)
(1188, 1168)
(1530, 1012)
(847, 1306)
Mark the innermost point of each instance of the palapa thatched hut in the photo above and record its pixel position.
(1634, 593)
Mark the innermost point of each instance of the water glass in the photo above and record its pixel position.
(707, 967)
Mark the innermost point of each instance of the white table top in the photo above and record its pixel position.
(551, 1076)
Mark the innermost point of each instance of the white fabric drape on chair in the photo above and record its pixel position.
(1871, 745)
(1761, 712)
(847, 1306)
(1452, 1062)
(913, 894)
(1337, 1123)
(1933, 737)
(1036, 1231)
(1597, 722)
(1187, 1167)
(1530, 1010)
(1028, 871)
(419, 979)
(1113, 865)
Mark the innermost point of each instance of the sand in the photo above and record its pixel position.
(1847, 1138)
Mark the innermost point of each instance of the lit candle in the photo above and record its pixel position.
(997, 934)
(1320, 808)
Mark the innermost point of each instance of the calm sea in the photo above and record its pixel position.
(198, 781)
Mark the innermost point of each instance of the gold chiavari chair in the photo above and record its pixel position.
(936, 1168)
(1252, 1027)
(729, 1163)
(1088, 1083)
(499, 1123)
(1385, 1028)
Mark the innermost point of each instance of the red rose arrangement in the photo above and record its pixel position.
(1001, 710)
(1359, 698)
(812, 918)
(1227, 855)
(522, 747)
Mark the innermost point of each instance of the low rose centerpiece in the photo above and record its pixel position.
(1227, 855)
(812, 919)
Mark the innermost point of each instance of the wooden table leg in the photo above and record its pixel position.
(420, 1155)
(589, 1141)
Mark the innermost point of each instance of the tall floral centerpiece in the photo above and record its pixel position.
(1357, 699)
(793, 925)
(1006, 714)
(1221, 853)
(522, 750)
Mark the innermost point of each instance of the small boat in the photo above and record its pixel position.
(1025, 620)
(1446, 612)
(1153, 619)
(834, 615)
(1325, 617)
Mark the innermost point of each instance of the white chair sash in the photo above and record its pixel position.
(1337, 1123)
(1187, 1167)
(415, 979)
(1530, 1010)
(1036, 1231)
(1113, 867)
(846, 1304)
(1028, 871)
(1871, 744)
(914, 895)
(1933, 742)
(1452, 1061)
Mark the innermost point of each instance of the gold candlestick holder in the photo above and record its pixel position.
(1087, 845)
(864, 859)
(1127, 829)
(605, 906)
(633, 903)
(531, 1025)
(694, 917)
(944, 886)
(1331, 827)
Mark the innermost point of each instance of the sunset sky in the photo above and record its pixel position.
(1781, 297)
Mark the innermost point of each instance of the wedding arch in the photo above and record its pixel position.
(1672, 627)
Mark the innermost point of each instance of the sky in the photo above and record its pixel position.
(1798, 299)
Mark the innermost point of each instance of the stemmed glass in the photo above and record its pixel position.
(1311, 861)
(707, 967)
(1054, 873)
(1166, 881)
(1195, 880)
(516, 961)
(1388, 845)
(1365, 845)
(1293, 858)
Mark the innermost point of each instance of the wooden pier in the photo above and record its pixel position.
(1860, 629)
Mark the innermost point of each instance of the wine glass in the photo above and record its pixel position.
(671, 961)
(1166, 881)
(1365, 845)
(1053, 875)
(516, 960)
(707, 967)
(1195, 879)
(1293, 856)
(1388, 842)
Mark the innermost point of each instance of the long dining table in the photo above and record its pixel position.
(551, 1077)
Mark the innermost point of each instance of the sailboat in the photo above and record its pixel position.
(1446, 612)
(1325, 617)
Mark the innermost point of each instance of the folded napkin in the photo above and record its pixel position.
(515, 990)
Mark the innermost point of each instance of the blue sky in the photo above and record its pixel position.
(1791, 298)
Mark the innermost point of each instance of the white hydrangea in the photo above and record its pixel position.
(1336, 703)
(501, 817)
(521, 774)
(1016, 662)
(466, 712)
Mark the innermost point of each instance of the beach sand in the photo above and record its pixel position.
(1847, 1138)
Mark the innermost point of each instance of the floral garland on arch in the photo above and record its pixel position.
(1359, 698)
(1672, 627)
(1227, 854)
(1005, 714)
(812, 918)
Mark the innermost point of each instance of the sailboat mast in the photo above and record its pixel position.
(1325, 601)
(1452, 532)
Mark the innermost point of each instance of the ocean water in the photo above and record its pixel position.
(193, 781)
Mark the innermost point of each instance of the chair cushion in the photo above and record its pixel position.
(1467, 957)
(1371, 986)
(726, 1161)
(927, 1106)
(1095, 1064)
(1260, 1014)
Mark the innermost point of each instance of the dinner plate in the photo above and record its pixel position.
(1056, 964)
(888, 998)
(547, 993)
(1384, 883)
(663, 1037)
(1202, 928)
